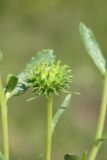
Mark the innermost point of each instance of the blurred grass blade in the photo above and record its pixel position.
(1, 55)
(2, 156)
(84, 156)
(60, 111)
(92, 47)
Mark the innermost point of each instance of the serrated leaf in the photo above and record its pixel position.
(71, 157)
(60, 111)
(11, 83)
(92, 47)
(2, 156)
(84, 156)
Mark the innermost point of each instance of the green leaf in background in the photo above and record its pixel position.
(92, 47)
(71, 157)
(84, 156)
(22, 85)
(1, 156)
(60, 111)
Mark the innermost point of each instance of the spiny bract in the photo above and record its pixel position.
(48, 77)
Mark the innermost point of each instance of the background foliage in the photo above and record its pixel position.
(29, 26)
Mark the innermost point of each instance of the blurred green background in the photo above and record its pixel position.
(29, 26)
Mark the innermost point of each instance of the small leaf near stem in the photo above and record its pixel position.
(3, 103)
(49, 127)
(60, 111)
(100, 127)
(12, 81)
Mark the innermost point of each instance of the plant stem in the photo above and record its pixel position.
(3, 103)
(101, 121)
(49, 128)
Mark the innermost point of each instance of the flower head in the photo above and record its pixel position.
(49, 77)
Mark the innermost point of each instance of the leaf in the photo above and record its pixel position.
(2, 156)
(71, 157)
(84, 156)
(45, 54)
(92, 47)
(11, 82)
(21, 86)
(60, 111)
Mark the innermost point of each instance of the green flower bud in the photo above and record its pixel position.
(49, 77)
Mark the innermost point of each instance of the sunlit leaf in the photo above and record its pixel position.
(60, 111)
(71, 157)
(92, 47)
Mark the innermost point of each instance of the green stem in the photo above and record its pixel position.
(3, 103)
(49, 128)
(101, 121)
